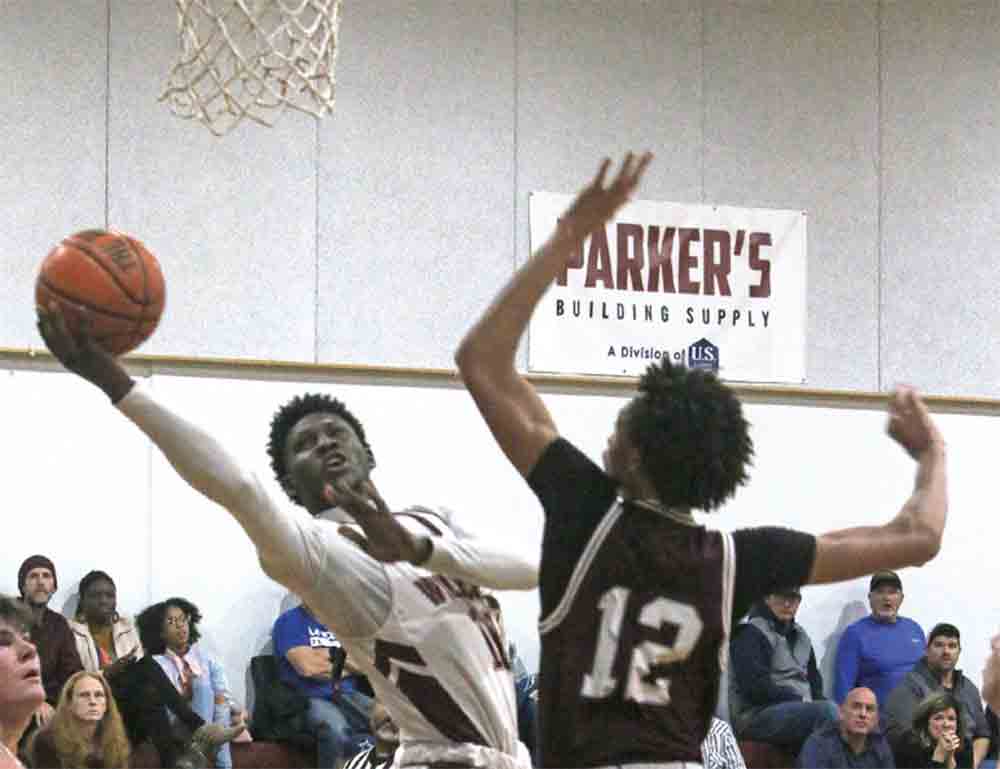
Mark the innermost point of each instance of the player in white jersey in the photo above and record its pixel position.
(418, 627)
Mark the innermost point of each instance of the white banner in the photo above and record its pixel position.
(713, 287)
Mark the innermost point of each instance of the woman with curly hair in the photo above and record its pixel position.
(170, 634)
(86, 730)
(637, 595)
(937, 730)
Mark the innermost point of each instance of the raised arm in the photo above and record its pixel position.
(913, 537)
(519, 421)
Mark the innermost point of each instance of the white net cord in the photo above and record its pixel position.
(252, 59)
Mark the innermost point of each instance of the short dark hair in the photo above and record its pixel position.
(945, 629)
(15, 613)
(288, 415)
(90, 578)
(935, 702)
(150, 624)
(693, 441)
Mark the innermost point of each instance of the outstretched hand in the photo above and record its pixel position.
(384, 538)
(78, 352)
(596, 204)
(991, 675)
(910, 424)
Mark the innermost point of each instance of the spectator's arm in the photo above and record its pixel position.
(311, 662)
(848, 663)
(980, 746)
(815, 678)
(752, 668)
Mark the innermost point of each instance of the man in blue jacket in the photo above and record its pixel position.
(853, 742)
(776, 690)
(878, 650)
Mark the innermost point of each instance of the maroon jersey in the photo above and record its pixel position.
(636, 609)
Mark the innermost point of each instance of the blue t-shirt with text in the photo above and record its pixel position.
(297, 627)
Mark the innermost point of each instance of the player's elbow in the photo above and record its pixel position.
(466, 357)
(925, 543)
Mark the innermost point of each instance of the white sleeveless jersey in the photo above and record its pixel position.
(439, 664)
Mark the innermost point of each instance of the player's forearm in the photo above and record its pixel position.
(212, 471)
(925, 512)
(198, 458)
(480, 563)
(492, 341)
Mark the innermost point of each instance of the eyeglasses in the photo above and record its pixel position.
(182, 621)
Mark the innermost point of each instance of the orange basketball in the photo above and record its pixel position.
(110, 276)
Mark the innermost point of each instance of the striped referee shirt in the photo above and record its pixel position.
(720, 750)
(366, 759)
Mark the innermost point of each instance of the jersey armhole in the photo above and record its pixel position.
(553, 620)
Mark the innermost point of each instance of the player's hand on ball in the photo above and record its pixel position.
(596, 204)
(910, 424)
(71, 349)
(78, 352)
(384, 538)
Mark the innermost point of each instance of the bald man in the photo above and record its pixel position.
(854, 742)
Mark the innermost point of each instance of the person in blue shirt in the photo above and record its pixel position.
(309, 656)
(878, 650)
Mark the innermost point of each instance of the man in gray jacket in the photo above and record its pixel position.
(775, 689)
(936, 672)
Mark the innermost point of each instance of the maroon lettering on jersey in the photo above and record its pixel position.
(630, 673)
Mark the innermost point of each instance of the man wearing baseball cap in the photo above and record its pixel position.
(37, 583)
(878, 650)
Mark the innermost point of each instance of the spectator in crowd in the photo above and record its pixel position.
(878, 650)
(775, 687)
(169, 633)
(937, 724)
(934, 673)
(51, 634)
(21, 690)
(720, 750)
(86, 730)
(109, 643)
(853, 742)
(312, 661)
(105, 640)
(386, 736)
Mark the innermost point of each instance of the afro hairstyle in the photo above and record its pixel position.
(150, 624)
(288, 415)
(694, 443)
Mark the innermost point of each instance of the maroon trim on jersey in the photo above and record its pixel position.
(426, 693)
(420, 518)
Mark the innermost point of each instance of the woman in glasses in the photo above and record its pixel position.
(170, 634)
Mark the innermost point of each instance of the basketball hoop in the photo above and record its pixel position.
(252, 59)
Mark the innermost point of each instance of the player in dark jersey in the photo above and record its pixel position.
(636, 598)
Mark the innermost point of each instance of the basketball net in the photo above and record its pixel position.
(252, 59)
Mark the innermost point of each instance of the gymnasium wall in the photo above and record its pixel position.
(376, 236)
